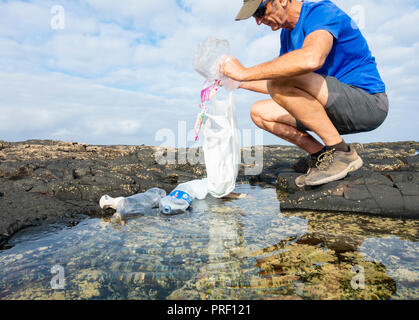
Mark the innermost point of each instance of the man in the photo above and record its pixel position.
(325, 80)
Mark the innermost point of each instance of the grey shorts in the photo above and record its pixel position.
(351, 109)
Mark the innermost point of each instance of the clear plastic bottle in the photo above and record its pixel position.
(127, 207)
(182, 196)
(106, 202)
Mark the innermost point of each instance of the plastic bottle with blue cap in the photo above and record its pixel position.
(179, 200)
(129, 207)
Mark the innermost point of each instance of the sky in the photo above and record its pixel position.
(111, 72)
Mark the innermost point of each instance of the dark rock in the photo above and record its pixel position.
(388, 199)
(286, 182)
(3, 144)
(413, 162)
(411, 205)
(46, 180)
(301, 166)
(388, 185)
(408, 189)
(356, 192)
(339, 243)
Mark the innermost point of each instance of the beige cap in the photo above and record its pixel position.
(248, 9)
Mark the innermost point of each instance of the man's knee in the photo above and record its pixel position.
(256, 113)
(266, 111)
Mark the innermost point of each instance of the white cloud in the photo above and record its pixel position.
(121, 70)
(22, 19)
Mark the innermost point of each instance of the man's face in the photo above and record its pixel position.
(275, 15)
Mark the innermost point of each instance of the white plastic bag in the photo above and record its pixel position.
(221, 139)
(221, 146)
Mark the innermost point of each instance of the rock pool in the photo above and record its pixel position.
(243, 248)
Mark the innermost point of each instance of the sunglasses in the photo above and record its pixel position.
(261, 10)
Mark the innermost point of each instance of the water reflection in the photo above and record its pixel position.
(221, 249)
(400, 259)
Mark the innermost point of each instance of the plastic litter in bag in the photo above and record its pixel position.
(206, 95)
(210, 55)
(221, 147)
(207, 56)
(221, 139)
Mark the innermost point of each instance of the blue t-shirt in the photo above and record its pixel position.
(350, 60)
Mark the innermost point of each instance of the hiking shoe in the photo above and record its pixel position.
(300, 181)
(310, 163)
(333, 165)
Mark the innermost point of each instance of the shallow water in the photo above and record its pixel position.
(220, 249)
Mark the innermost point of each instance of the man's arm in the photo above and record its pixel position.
(260, 86)
(309, 58)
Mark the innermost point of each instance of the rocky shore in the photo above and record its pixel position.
(48, 181)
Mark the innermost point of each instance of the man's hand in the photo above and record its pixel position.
(309, 58)
(233, 69)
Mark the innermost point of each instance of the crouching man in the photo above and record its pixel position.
(325, 81)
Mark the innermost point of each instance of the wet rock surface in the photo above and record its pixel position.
(221, 249)
(318, 264)
(387, 184)
(45, 180)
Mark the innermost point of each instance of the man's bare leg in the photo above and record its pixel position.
(304, 97)
(270, 116)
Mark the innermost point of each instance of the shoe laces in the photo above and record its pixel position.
(325, 159)
(311, 161)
